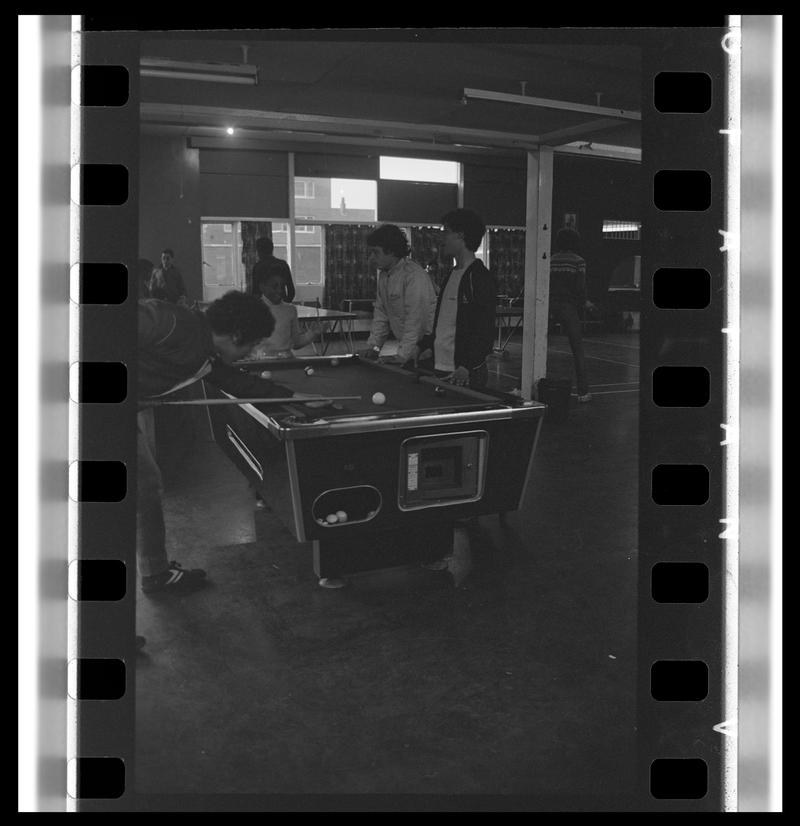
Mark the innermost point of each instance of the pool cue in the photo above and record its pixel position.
(290, 400)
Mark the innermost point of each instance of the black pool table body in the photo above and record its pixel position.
(404, 472)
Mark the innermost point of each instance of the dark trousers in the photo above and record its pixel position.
(151, 552)
(566, 313)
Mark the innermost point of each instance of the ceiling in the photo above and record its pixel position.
(385, 92)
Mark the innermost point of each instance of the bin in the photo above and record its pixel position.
(555, 393)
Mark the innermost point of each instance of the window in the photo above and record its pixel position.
(621, 230)
(221, 256)
(304, 189)
(418, 169)
(336, 199)
(280, 238)
(229, 252)
(309, 257)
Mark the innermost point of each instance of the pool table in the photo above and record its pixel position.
(403, 474)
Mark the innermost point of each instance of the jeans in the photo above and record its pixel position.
(151, 552)
(566, 313)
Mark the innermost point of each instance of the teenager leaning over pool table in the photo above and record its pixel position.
(177, 347)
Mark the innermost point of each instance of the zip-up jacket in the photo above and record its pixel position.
(475, 317)
(175, 349)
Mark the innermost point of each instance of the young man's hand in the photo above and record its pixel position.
(459, 377)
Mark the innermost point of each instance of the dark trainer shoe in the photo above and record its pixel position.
(175, 580)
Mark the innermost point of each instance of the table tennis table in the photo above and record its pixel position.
(338, 319)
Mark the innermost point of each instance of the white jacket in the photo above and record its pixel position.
(405, 305)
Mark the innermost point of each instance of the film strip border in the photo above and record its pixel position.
(681, 730)
(103, 292)
(684, 759)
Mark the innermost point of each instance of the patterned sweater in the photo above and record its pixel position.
(567, 278)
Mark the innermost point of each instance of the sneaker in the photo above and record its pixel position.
(586, 397)
(175, 580)
(333, 583)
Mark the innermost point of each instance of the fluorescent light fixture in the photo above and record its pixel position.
(240, 73)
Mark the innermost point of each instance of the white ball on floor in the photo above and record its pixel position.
(378, 398)
(267, 374)
(341, 516)
(331, 518)
(334, 362)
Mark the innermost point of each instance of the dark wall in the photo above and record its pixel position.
(497, 192)
(238, 184)
(595, 190)
(169, 206)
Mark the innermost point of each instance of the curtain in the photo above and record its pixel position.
(426, 250)
(347, 274)
(507, 260)
(251, 230)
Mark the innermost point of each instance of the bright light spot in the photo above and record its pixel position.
(417, 169)
(229, 130)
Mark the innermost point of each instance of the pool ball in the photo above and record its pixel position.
(331, 518)
(378, 398)
(341, 516)
(309, 371)
(267, 374)
(334, 362)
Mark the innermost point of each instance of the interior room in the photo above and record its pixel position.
(513, 669)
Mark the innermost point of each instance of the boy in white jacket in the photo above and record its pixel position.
(406, 299)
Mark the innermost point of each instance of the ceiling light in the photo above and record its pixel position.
(230, 130)
(240, 73)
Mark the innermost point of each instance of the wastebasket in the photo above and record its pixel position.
(555, 393)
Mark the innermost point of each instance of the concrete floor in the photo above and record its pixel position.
(520, 681)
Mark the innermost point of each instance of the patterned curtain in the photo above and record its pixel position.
(426, 250)
(347, 274)
(251, 230)
(507, 260)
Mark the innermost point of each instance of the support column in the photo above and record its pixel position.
(538, 223)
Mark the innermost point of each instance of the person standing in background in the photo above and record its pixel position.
(267, 264)
(568, 297)
(166, 282)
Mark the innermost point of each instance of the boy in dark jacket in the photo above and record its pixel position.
(464, 323)
(177, 347)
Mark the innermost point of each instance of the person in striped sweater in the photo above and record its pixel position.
(568, 297)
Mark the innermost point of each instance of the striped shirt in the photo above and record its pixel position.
(567, 277)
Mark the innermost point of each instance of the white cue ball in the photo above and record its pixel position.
(378, 398)
(267, 374)
(309, 371)
(341, 516)
(331, 518)
(334, 362)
